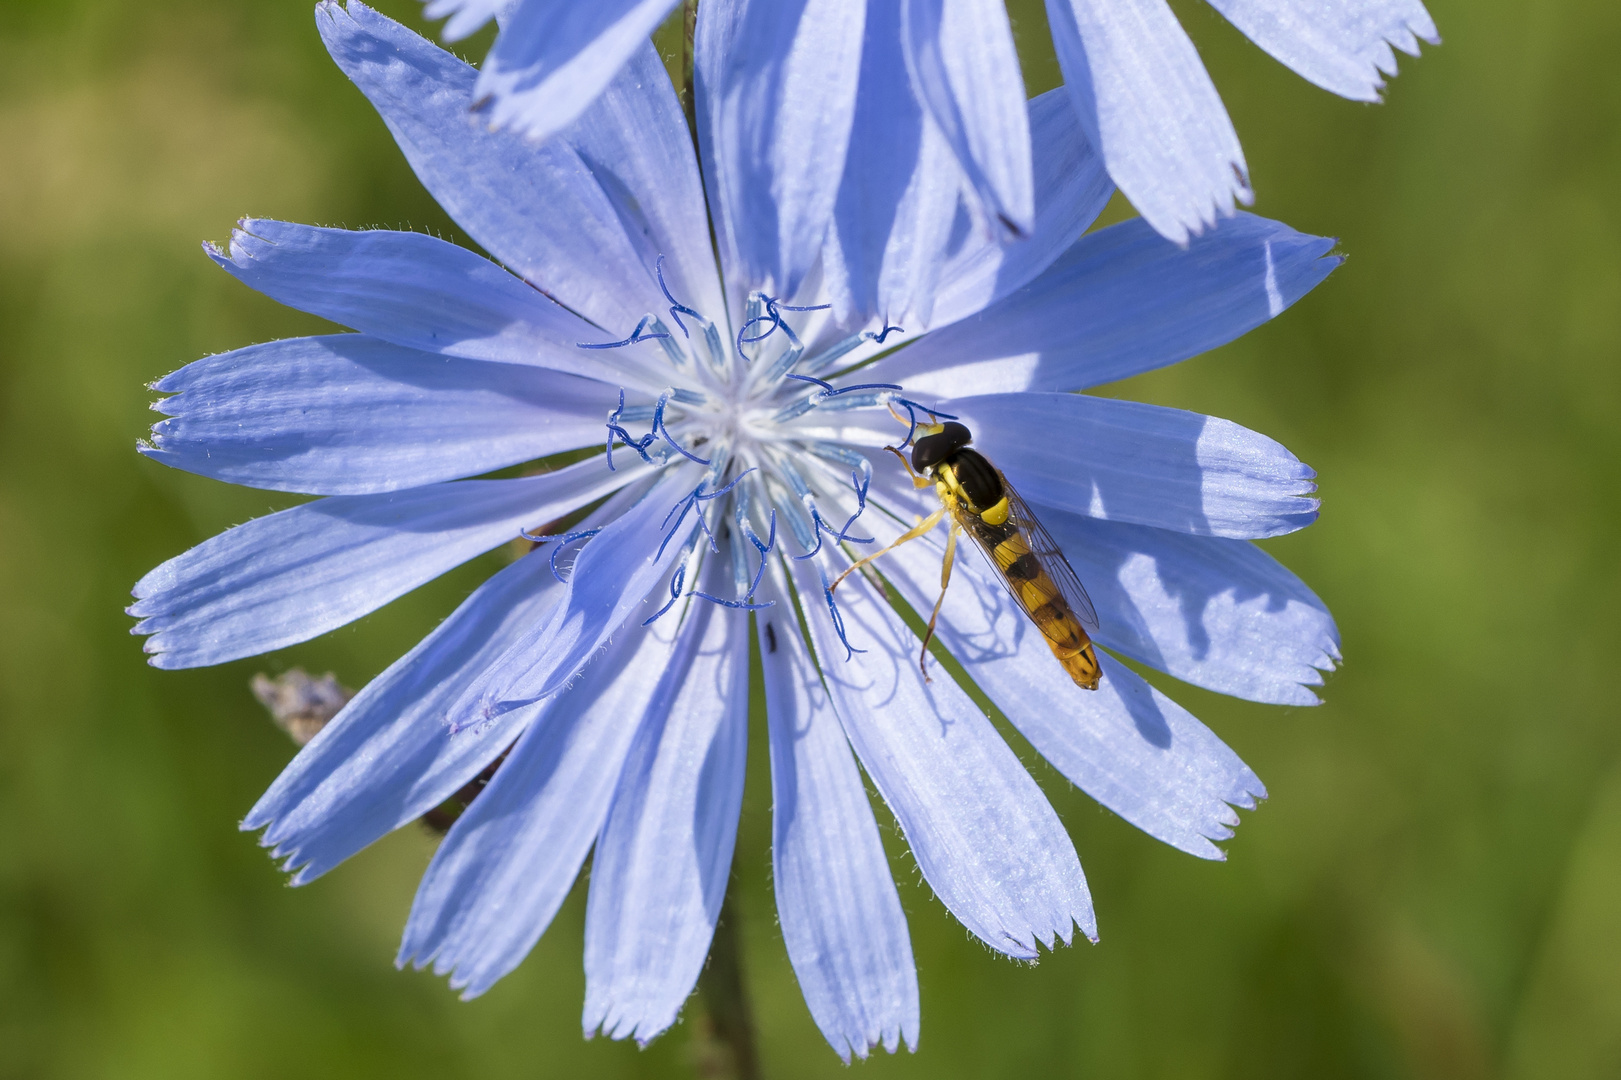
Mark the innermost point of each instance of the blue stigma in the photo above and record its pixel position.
(697, 496)
(658, 426)
(838, 621)
(860, 483)
(636, 336)
(617, 431)
(562, 542)
(773, 316)
(884, 333)
(763, 548)
(830, 391)
(677, 308)
(676, 582)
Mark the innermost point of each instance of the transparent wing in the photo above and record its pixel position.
(1051, 559)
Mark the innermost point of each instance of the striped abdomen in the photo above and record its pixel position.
(980, 501)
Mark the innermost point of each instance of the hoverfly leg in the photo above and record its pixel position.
(910, 534)
(919, 482)
(934, 616)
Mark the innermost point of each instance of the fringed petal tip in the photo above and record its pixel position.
(619, 1027)
(1247, 796)
(890, 1040)
(1029, 947)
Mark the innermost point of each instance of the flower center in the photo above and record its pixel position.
(739, 417)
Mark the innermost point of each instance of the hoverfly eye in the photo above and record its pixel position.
(928, 452)
(931, 450)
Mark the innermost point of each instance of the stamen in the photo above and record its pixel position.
(884, 333)
(564, 541)
(735, 481)
(746, 605)
(763, 548)
(676, 582)
(677, 308)
(773, 315)
(636, 336)
(660, 429)
(798, 523)
(698, 495)
(838, 621)
(833, 353)
(828, 392)
(827, 357)
(684, 505)
(861, 386)
(861, 485)
(826, 386)
(617, 431)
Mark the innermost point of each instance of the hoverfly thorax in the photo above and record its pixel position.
(961, 475)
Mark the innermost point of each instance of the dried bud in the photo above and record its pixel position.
(300, 705)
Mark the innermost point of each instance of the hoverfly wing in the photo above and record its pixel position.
(1051, 559)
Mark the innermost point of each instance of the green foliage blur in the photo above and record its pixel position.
(1433, 889)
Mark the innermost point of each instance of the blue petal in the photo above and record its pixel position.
(541, 210)
(1147, 103)
(1125, 744)
(1142, 464)
(897, 198)
(1341, 47)
(635, 140)
(665, 853)
(984, 835)
(555, 56)
(1121, 301)
(349, 414)
(412, 290)
(291, 575)
(612, 577)
(1221, 614)
(841, 917)
(389, 757)
(1071, 190)
(962, 61)
(776, 92)
(466, 16)
(506, 865)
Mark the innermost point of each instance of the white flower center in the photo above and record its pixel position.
(750, 414)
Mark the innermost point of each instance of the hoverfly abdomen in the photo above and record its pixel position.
(1024, 568)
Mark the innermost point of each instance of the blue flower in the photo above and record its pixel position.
(737, 414)
(1135, 79)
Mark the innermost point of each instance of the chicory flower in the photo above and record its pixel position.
(734, 412)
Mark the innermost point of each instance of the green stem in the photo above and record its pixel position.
(724, 1042)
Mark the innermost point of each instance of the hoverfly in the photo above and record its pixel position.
(984, 505)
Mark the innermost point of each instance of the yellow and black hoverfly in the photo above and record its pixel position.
(984, 505)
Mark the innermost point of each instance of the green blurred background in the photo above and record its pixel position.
(1433, 889)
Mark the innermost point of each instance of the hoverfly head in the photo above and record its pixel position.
(942, 441)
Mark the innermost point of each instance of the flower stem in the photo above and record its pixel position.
(724, 1043)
